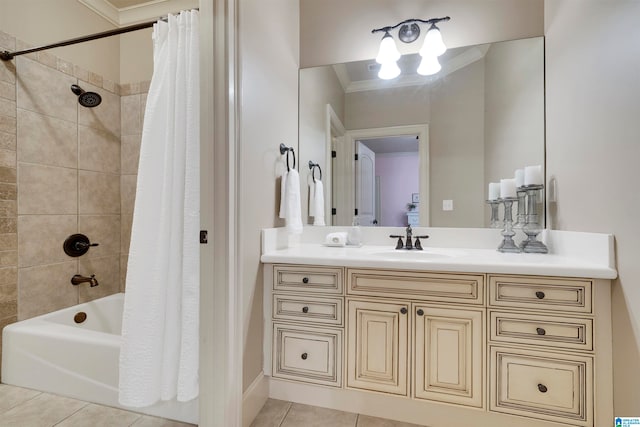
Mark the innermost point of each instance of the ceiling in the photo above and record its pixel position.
(393, 144)
(126, 12)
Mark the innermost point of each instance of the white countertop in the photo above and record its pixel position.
(567, 261)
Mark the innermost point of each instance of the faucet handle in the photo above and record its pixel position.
(400, 244)
(418, 245)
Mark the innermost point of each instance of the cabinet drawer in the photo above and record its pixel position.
(540, 293)
(548, 386)
(303, 308)
(312, 355)
(457, 288)
(552, 331)
(308, 279)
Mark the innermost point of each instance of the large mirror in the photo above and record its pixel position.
(426, 147)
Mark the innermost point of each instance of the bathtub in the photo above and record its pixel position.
(55, 354)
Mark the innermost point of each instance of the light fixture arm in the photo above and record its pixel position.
(410, 33)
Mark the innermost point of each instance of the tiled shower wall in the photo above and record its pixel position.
(64, 169)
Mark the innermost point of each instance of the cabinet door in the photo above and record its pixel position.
(377, 346)
(449, 355)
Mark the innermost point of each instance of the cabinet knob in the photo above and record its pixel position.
(305, 309)
(541, 331)
(403, 310)
(540, 294)
(305, 280)
(304, 357)
(420, 312)
(542, 388)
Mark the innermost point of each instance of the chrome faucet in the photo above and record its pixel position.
(410, 245)
(77, 279)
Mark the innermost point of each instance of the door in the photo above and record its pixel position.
(449, 355)
(377, 346)
(366, 184)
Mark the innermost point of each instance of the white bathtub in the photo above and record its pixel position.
(52, 353)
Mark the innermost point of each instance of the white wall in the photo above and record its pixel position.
(136, 56)
(268, 116)
(593, 147)
(335, 31)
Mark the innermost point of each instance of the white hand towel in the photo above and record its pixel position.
(336, 239)
(312, 198)
(283, 197)
(293, 207)
(318, 205)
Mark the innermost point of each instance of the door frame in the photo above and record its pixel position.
(334, 128)
(346, 165)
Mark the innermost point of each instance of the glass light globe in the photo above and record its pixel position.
(389, 70)
(388, 51)
(429, 65)
(433, 44)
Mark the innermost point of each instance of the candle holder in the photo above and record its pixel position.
(495, 218)
(533, 227)
(521, 218)
(508, 245)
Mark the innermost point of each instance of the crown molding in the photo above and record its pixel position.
(146, 11)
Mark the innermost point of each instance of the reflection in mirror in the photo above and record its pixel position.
(427, 146)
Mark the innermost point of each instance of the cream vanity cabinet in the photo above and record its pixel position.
(496, 349)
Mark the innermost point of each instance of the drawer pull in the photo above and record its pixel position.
(305, 280)
(305, 309)
(541, 331)
(542, 388)
(540, 295)
(304, 357)
(420, 312)
(403, 310)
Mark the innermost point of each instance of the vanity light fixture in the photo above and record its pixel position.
(409, 32)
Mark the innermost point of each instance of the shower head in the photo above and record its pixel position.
(86, 99)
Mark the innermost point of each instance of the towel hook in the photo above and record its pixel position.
(284, 149)
(313, 167)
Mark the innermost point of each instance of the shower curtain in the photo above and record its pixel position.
(159, 355)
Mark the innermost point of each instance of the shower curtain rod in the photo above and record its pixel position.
(7, 56)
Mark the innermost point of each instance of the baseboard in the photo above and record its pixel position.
(254, 398)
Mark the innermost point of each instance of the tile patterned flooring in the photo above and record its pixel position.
(278, 413)
(21, 407)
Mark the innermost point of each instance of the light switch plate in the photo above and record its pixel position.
(447, 205)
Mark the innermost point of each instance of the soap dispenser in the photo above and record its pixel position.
(354, 236)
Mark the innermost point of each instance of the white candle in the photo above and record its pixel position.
(533, 175)
(507, 188)
(494, 190)
(519, 177)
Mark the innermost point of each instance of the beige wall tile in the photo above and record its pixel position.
(48, 59)
(125, 234)
(65, 67)
(22, 45)
(130, 153)
(8, 124)
(100, 416)
(8, 91)
(143, 108)
(129, 89)
(8, 191)
(81, 73)
(7, 141)
(7, 107)
(47, 140)
(8, 275)
(8, 225)
(7, 41)
(40, 238)
(47, 190)
(95, 79)
(124, 259)
(7, 158)
(109, 85)
(43, 410)
(106, 115)
(8, 207)
(8, 308)
(101, 229)
(107, 271)
(8, 175)
(9, 292)
(45, 90)
(130, 107)
(46, 288)
(98, 150)
(8, 72)
(128, 191)
(11, 396)
(8, 258)
(99, 193)
(8, 242)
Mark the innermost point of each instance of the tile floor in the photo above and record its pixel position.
(278, 413)
(21, 407)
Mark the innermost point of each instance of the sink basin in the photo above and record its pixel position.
(415, 255)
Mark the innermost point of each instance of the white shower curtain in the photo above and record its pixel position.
(159, 356)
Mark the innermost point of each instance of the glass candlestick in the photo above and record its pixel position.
(521, 218)
(533, 227)
(495, 218)
(508, 245)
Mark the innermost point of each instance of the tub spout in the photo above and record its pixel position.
(77, 279)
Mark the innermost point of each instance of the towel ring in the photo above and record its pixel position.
(313, 167)
(284, 149)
